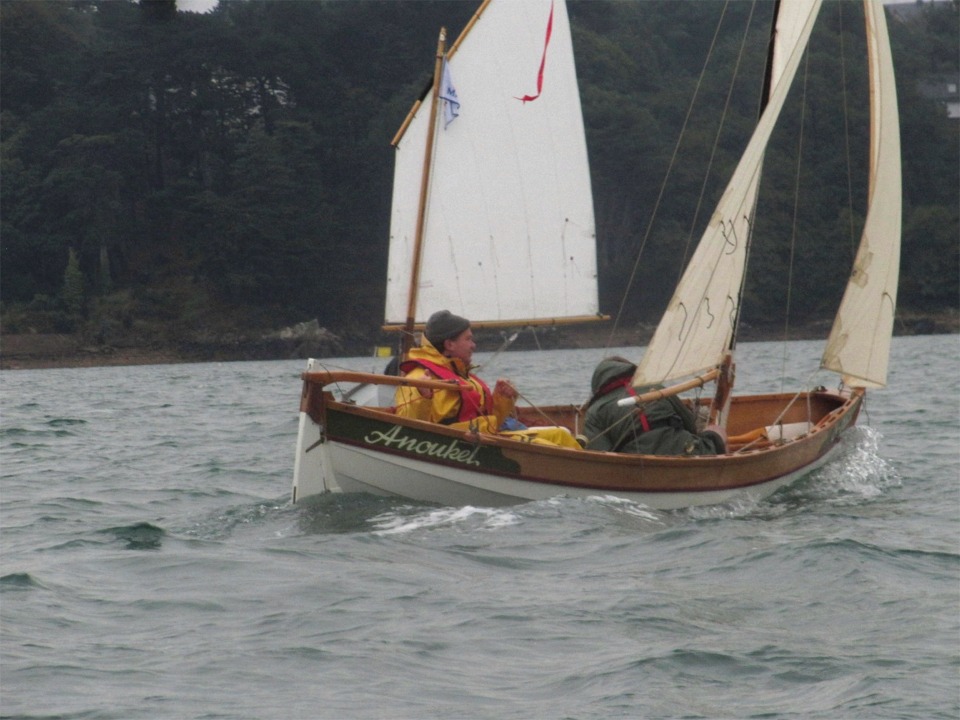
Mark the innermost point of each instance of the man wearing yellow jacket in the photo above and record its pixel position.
(445, 354)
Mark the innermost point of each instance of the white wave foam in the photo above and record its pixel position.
(392, 523)
(733, 509)
(860, 471)
(630, 507)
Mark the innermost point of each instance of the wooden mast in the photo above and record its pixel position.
(406, 341)
(720, 407)
(449, 54)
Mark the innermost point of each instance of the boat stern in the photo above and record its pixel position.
(311, 466)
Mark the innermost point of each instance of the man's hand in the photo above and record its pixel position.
(505, 389)
(426, 393)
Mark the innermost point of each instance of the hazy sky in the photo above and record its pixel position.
(196, 5)
(204, 5)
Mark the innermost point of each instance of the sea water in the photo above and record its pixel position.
(154, 567)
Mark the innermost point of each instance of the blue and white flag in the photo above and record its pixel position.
(448, 93)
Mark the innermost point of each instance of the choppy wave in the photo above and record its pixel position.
(18, 581)
(154, 567)
(139, 536)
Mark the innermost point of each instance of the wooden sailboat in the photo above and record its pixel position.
(546, 217)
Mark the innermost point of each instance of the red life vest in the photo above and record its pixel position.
(473, 402)
(625, 383)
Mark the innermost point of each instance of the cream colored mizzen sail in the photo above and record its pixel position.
(859, 344)
(698, 324)
(509, 230)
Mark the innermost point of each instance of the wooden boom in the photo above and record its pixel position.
(698, 381)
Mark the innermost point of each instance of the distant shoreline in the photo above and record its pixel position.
(49, 351)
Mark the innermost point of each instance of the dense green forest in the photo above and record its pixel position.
(175, 173)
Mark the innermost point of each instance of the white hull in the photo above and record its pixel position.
(338, 467)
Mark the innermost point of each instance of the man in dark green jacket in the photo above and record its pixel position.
(661, 427)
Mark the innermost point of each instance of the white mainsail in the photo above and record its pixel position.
(509, 227)
(859, 343)
(697, 327)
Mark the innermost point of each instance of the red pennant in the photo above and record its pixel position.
(543, 60)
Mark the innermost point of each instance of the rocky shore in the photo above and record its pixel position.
(36, 351)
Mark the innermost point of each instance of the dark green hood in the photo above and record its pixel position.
(608, 370)
(664, 426)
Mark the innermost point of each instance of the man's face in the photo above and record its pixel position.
(462, 346)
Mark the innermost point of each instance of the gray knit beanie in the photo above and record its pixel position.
(444, 325)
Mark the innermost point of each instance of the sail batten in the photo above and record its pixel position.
(509, 226)
(859, 344)
(698, 324)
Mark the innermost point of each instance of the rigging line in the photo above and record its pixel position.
(846, 133)
(762, 101)
(766, 90)
(508, 341)
(611, 427)
(793, 228)
(536, 408)
(344, 394)
(716, 141)
(779, 419)
(663, 186)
